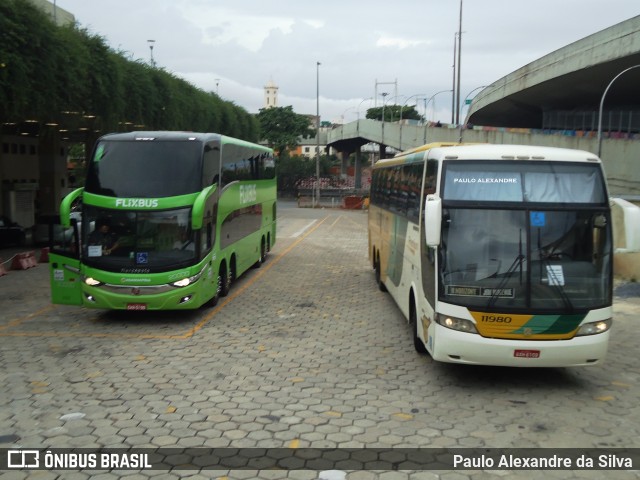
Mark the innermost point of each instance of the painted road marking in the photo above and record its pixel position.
(305, 228)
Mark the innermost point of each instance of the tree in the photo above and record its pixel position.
(66, 75)
(281, 127)
(392, 113)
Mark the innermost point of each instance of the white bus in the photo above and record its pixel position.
(496, 254)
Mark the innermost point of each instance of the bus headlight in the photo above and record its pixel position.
(92, 282)
(187, 281)
(594, 328)
(455, 323)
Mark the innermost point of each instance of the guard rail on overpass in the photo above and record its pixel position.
(620, 153)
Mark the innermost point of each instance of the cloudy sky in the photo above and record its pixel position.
(235, 47)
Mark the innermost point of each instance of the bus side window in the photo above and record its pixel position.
(211, 164)
(209, 235)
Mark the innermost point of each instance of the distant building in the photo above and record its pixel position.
(270, 95)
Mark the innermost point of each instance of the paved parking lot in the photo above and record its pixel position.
(305, 352)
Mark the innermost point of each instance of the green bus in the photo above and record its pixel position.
(165, 220)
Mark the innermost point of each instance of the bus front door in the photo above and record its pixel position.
(64, 264)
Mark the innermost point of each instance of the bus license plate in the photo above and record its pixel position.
(136, 306)
(526, 353)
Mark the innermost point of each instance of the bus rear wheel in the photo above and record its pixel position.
(413, 320)
(225, 279)
(263, 254)
(381, 285)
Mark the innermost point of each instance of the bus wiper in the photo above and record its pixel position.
(552, 276)
(555, 281)
(517, 262)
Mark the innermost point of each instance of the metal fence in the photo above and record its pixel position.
(623, 121)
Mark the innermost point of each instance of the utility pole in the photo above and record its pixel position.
(459, 66)
(318, 132)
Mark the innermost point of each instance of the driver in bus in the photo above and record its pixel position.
(104, 237)
(185, 242)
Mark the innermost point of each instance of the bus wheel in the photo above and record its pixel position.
(224, 281)
(263, 251)
(379, 281)
(413, 320)
(263, 255)
(213, 301)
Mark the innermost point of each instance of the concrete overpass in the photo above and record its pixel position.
(572, 78)
(553, 101)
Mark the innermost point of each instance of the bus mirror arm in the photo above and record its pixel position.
(432, 220)
(65, 207)
(197, 213)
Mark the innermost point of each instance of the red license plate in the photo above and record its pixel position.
(136, 306)
(526, 353)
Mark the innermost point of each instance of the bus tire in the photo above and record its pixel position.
(213, 301)
(225, 281)
(381, 285)
(263, 254)
(413, 320)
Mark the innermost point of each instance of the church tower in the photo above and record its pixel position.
(270, 95)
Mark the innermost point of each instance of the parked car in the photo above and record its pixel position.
(11, 234)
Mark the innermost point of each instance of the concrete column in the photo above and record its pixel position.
(344, 165)
(358, 170)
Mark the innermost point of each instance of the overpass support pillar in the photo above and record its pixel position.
(344, 165)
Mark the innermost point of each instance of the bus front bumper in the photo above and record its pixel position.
(173, 299)
(459, 347)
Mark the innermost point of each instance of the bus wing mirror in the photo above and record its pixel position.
(432, 220)
(66, 205)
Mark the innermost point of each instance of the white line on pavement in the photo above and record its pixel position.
(303, 229)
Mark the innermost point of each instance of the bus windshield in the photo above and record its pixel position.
(145, 169)
(517, 259)
(548, 250)
(138, 242)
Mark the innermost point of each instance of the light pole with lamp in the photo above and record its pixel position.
(602, 104)
(318, 132)
(358, 113)
(417, 96)
(382, 147)
(360, 104)
(151, 42)
(462, 106)
(426, 124)
(342, 116)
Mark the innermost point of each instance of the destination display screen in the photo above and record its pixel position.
(525, 181)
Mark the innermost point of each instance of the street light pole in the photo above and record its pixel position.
(151, 42)
(459, 65)
(602, 104)
(382, 147)
(453, 88)
(465, 102)
(426, 124)
(401, 109)
(318, 133)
